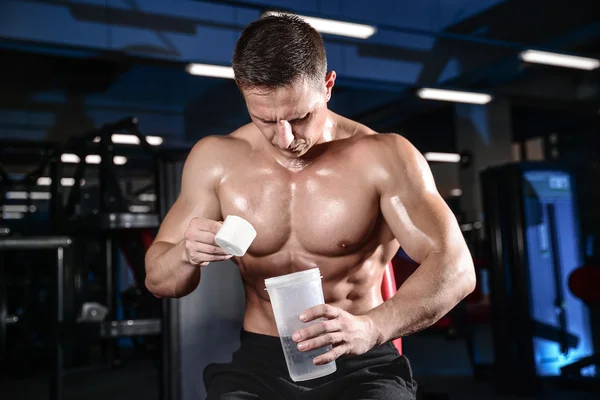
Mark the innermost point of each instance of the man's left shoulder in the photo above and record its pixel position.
(383, 144)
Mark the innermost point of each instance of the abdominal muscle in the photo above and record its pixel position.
(351, 283)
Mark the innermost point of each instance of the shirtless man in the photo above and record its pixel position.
(322, 191)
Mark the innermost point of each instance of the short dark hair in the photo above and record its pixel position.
(277, 50)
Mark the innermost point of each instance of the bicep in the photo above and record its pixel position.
(197, 197)
(422, 225)
(418, 216)
(177, 220)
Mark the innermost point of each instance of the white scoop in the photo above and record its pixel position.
(235, 236)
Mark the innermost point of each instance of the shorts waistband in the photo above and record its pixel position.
(252, 339)
(260, 340)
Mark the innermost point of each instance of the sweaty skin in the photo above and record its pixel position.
(343, 201)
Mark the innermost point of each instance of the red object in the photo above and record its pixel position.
(147, 237)
(583, 283)
(388, 289)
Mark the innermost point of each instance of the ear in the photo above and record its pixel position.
(329, 83)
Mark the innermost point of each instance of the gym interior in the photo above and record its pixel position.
(102, 101)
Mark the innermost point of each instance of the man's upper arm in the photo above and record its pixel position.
(411, 205)
(198, 196)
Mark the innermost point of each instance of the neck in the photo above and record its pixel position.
(331, 128)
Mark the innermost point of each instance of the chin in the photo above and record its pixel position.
(296, 153)
(292, 154)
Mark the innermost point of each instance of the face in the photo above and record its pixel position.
(294, 118)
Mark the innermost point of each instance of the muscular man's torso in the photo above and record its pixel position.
(325, 214)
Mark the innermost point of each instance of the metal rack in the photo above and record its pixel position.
(103, 224)
(63, 246)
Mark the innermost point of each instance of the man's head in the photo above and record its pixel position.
(280, 66)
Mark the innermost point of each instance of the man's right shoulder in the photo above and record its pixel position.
(216, 148)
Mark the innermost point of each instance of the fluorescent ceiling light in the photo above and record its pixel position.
(67, 181)
(9, 215)
(74, 159)
(454, 95)
(69, 158)
(120, 160)
(70, 181)
(16, 195)
(443, 157)
(154, 140)
(147, 197)
(120, 138)
(40, 195)
(44, 181)
(14, 208)
(93, 159)
(25, 195)
(139, 209)
(559, 60)
(456, 192)
(214, 71)
(333, 27)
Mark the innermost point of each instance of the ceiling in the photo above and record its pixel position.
(69, 66)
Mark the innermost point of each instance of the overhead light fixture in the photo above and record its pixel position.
(25, 195)
(213, 71)
(454, 95)
(443, 157)
(334, 27)
(70, 181)
(44, 181)
(40, 195)
(69, 158)
(456, 192)
(67, 181)
(120, 138)
(139, 209)
(147, 197)
(12, 215)
(120, 160)
(17, 195)
(15, 208)
(93, 159)
(154, 140)
(559, 60)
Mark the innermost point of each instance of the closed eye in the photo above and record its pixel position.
(300, 120)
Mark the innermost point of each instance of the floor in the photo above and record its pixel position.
(466, 388)
(138, 380)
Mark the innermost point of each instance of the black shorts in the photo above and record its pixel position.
(258, 371)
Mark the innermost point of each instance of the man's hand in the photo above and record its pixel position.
(200, 246)
(349, 334)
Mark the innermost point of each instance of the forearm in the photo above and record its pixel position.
(168, 272)
(436, 287)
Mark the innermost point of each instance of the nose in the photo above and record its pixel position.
(285, 137)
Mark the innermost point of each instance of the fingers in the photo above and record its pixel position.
(316, 330)
(321, 341)
(211, 258)
(200, 236)
(205, 225)
(200, 242)
(320, 311)
(209, 249)
(322, 333)
(331, 355)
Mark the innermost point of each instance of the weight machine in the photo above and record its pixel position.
(108, 224)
